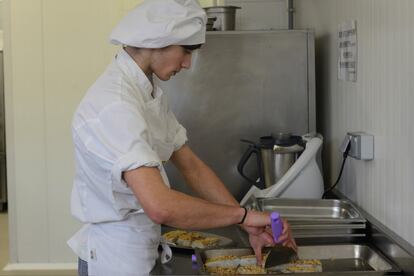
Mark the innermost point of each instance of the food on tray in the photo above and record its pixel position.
(205, 242)
(185, 239)
(228, 264)
(230, 267)
(297, 266)
(190, 239)
(196, 236)
(251, 269)
(305, 266)
(222, 270)
(223, 261)
(249, 260)
(172, 236)
(309, 262)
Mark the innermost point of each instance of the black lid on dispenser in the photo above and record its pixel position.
(287, 140)
(267, 142)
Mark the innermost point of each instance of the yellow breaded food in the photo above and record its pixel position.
(196, 236)
(249, 260)
(190, 239)
(205, 242)
(251, 269)
(222, 270)
(308, 262)
(310, 265)
(223, 261)
(172, 236)
(301, 268)
(184, 240)
(238, 265)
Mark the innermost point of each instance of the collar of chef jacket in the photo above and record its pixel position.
(135, 73)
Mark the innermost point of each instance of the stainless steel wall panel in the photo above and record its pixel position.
(243, 85)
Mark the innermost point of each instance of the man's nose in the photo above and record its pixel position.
(186, 62)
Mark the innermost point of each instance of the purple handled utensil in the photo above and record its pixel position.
(278, 255)
(277, 226)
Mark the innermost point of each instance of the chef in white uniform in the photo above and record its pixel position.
(123, 132)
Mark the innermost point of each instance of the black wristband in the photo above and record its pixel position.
(244, 216)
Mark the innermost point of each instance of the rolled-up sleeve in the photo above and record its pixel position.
(180, 137)
(179, 132)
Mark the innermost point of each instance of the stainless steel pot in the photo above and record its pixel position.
(225, 17)
(274, 157)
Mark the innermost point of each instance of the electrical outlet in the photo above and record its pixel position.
(362, 145)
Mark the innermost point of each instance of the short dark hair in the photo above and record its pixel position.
(191, 47)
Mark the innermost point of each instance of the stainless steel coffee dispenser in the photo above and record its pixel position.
(274, 156)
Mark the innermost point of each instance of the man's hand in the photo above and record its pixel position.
(258, 242)
(257, 225)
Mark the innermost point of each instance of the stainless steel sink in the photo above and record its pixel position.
(347, 257)
(341, 258)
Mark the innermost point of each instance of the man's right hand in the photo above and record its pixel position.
(257, 225)
(257, 242)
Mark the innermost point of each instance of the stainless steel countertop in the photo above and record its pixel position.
(386, 241)
(378, 236)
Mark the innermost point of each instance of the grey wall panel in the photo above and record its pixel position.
(2, 113)
(241, 85)
(3, 179)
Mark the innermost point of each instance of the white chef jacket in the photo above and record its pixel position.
(122, 123)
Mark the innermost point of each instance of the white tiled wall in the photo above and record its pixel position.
(54, 52)
(1, 14)
(1, 24)
(380, 103)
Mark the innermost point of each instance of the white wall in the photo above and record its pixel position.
(380, 103)
(1, 14)
(54, 51)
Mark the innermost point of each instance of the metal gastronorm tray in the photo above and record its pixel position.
(335, 258)
(312, 211)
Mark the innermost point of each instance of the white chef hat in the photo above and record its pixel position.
(161, 23)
